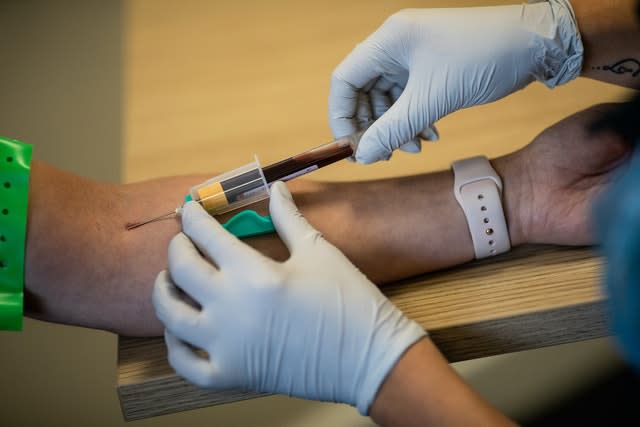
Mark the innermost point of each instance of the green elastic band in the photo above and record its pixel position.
(248, 224)
(15, 164)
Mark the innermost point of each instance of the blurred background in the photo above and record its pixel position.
(125, 91)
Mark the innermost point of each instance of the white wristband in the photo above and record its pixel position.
(478, 190)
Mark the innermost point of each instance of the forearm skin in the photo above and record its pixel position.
(422, 390)
(610, 31)
(84, 268)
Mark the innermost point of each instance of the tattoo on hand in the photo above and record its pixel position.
(624, 66)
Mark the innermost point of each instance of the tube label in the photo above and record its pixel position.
(299, 173)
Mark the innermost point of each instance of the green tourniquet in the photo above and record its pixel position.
(15, 163)
(248, 224)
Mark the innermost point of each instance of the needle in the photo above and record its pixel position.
(132, 225)
(249, 183)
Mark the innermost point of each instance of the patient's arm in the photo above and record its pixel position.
(84, 268)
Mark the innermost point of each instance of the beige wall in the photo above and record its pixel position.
(61, 80)
(63, 86)
(61, 90)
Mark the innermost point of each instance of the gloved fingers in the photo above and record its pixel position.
(387, 84)
(400, 124)
(380, 100)
(385, 92)
(366, 88)
(175, 313)
(366, 62)
(292, 227)
(352, 76)
(364, 114)
(190, 271)
(383, 96)
(430, 133)
(395, 91)
(343, 106)
(414, 146)
(187, 363)
(216, 243)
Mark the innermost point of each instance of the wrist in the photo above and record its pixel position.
(387, 345)
(423, 390)
(404, 392)
(512, 193)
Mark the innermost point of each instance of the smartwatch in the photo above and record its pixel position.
(478, 190)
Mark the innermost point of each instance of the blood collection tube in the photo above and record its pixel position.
(250, 183)
(313, 159)
(231, 190)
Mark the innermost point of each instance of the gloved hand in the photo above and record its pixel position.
(423, 64)
(313, 326)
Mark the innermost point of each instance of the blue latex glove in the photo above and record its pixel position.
(423, 64)
(618, 225)
(313, 326)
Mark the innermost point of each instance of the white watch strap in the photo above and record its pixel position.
(478, 190)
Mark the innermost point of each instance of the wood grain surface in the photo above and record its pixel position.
(533, 297)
